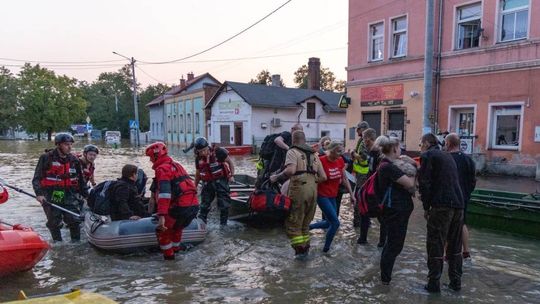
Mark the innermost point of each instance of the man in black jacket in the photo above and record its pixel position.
(125, 199)
(467, 180)
(443, 206)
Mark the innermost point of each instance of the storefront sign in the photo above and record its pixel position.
(537, 134)
(231, 107)
(390, 95)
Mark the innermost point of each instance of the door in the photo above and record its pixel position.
(225, 132)
(374, 120)
(238, 131)
(396, 124)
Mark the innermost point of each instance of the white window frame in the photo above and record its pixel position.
(392, 33)
(452, 120)
(457, 22)
(370, 41)
(499, 27)
(491, 126)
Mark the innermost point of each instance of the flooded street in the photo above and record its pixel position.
(243, 264)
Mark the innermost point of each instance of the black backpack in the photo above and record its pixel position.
(268, 146)
(99, 199)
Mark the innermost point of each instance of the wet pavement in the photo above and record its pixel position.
(241, 264)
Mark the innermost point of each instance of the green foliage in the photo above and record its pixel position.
(48, 102)
(8, 100)
(328, 80)
(265, 77)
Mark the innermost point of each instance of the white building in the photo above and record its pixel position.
(243, 114)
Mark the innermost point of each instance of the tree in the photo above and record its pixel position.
(48, 102)
(264, 77)
(328, 80)
(9, 118)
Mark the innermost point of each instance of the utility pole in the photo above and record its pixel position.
(428, 68)
(135, 106)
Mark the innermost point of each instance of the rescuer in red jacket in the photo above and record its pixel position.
(176, 198)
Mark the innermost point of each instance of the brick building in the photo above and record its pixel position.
(486, 75)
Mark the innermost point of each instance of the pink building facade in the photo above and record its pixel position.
(486, 76)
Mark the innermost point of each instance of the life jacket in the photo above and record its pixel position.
(60, 172)
(212, 169)
(183, 189)
(310, 155)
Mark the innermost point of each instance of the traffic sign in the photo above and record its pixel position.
(133, 124)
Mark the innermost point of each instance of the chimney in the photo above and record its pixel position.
(276, 80)
(190, 76)
(314, 74)
(182, 82)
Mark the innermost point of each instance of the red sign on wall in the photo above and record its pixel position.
(382, 95)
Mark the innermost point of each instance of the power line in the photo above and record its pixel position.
(144, 72)
(61, 62)
(221, 43)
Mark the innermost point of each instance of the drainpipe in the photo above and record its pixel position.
(438, 68)
(428, 69)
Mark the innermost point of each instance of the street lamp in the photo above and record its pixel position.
(135, 106)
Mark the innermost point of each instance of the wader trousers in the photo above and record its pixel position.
(444, 226)
(55, 217)
(303, 194)
(210, 190)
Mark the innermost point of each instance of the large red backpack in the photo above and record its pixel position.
(369, 203)
(268, 199)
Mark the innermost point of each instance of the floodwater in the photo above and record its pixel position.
(240, 264)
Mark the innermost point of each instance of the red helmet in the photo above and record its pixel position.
(156, 151)
(4, 195)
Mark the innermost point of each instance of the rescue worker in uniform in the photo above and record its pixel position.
(304, 169)
(215, 169)
(360, 165)
(87, 160)
(59, 179)
(176, 197)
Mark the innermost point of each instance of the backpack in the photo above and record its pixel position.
(369, 203)
(99, 199)
(268, 146)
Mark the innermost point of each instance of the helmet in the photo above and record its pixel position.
(156, 150)
(4, 195)
(221, 154)
(90, 148)
(201, 143)
(62, 138)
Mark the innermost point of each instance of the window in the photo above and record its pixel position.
(162, 131)
(188, 127)
(468, 28)
(310, 110)
(376, 41)
(325, 133)
(514, 19)
(506, 126)
(399, 37)
(181, 123)
(197, 121)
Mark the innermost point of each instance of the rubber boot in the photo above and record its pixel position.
(203, 214)
(56, 235)
(223, 217)
(75, 233)
(433, 286)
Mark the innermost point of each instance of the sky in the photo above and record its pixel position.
(72, 31)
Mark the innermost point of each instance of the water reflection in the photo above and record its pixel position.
(243, 264)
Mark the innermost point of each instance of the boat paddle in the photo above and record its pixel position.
(44, 202)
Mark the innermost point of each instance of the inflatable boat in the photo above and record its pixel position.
(129, 236)
(20, 249)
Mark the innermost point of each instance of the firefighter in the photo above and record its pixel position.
(59, 179)
(215, 169)
(303, 168)
(176, 197)
(87, 160)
